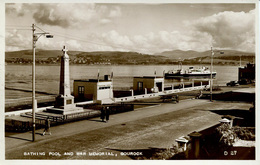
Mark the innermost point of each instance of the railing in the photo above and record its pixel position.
(135, 97)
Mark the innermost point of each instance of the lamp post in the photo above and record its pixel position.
(211, 70)
(35, 37)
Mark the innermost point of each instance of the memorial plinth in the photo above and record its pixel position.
(64, 103)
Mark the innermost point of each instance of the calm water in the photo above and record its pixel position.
(47, 77)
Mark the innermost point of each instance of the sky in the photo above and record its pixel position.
(139, 27)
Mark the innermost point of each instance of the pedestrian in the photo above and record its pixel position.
(199, 95)
(47, 127)
(107, 114)
(102, 115)
(177, 98)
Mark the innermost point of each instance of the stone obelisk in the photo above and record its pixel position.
(64, 103)
(65, 99)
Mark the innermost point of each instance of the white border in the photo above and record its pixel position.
(2, 81)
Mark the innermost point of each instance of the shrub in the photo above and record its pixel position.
(227, 135)
(244, 133)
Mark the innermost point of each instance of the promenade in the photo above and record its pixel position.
(140, 130)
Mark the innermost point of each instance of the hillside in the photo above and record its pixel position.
(129, 58)
(179, 54)
(39, 54)
(78, 57)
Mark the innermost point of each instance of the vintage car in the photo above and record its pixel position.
(232, 83)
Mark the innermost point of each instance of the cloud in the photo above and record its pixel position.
(115, 12)
(14, 40)
(228, 29)
(114, 39)
(105, 21)
(66, 14)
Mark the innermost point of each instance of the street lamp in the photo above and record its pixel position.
(211, 70)
(35, 36)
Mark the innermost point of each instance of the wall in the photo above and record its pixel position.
(92, 91)
(104, 93)
(148, 83)
(89, 89)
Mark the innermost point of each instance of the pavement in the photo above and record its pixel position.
(150, 127)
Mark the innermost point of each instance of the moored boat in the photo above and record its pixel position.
(190, 73)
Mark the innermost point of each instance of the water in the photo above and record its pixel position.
(47, 76)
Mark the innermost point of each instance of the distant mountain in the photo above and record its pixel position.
(40, 54)
(179, 54)
(128, 58)
(79, 57)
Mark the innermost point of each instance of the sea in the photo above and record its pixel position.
(18, 78)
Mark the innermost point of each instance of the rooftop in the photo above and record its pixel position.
(93, 80)
(149, 77)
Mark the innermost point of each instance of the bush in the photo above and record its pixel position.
(244, 133)
(227, 135)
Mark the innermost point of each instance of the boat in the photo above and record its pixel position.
(191, 72)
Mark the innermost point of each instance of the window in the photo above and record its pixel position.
(100, 88)
(68, 102)
(81, 90)
(140, 86)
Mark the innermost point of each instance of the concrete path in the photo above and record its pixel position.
(145, 126)
(19, 139)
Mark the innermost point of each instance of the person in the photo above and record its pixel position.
(199, 95)
(177, 98)
(102, 115)
(107, 114)
(47, 127)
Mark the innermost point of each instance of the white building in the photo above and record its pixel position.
(93, 89)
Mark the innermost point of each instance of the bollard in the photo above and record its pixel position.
(182, 143)
(195, 144)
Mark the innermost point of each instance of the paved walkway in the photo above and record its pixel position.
(20, 139)
(194, 111)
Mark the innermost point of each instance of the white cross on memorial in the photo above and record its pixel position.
(64, 50)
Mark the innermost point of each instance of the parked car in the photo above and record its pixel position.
(244, 82)
(232, 83)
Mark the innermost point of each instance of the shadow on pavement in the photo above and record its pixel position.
(96, 120)
(248, 118)
(232, 112)
(18, 138)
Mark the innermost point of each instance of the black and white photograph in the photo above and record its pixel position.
(122, 80)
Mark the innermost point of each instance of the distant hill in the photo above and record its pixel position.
(129, 58)
(179, 54)
(79, 57)
(41, 54)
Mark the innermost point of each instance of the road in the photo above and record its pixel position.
(141, 130)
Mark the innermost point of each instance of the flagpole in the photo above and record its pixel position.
(98, 75)
(211, 70)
